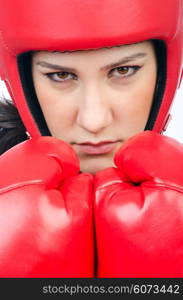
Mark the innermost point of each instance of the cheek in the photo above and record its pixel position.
(58, 110)
(143, 97)
(134, 104)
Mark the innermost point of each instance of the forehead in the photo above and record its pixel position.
(116, 51)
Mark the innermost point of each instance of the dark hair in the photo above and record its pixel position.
(12, 130)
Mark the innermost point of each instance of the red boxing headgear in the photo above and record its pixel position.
(60, 25)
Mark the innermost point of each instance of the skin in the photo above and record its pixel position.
(105, 96)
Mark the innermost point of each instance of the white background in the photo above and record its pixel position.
(175, 128)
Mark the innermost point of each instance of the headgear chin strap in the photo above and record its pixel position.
(62, 25)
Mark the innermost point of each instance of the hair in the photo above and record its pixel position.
(12, 129)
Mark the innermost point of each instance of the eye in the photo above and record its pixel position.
(61, 76)
(125, 71)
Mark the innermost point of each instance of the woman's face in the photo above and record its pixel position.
(96, 99)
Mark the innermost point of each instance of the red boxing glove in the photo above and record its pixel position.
(45, 212)
(139, 210)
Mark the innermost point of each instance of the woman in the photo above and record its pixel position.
(86, 80)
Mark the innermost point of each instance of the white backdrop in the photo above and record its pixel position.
(175, 128)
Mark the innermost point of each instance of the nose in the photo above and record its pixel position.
(95, 112)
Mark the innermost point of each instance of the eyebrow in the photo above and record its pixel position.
(124, 60)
